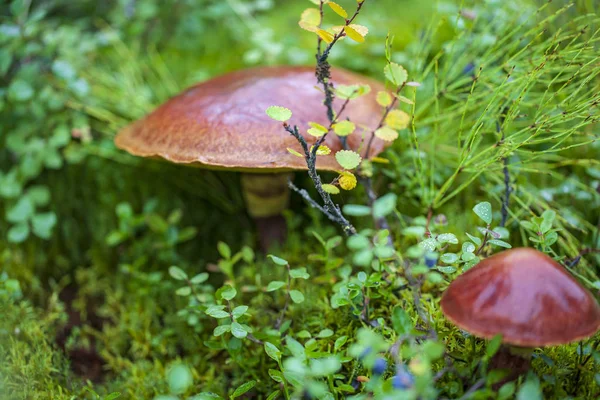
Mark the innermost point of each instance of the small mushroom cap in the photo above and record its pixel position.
(524, 295)
(221, 123)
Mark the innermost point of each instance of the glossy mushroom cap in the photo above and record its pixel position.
(221, 123)
(524, 295)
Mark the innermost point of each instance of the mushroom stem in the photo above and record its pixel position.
(517, 360)
(266, 196)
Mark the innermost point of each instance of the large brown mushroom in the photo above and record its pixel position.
(221, 124)
(528, 298)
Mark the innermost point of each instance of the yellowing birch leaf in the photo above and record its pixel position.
(344, 128)
(354, 34)
(347, 180)
(397, 119)
(294, 152)
(386, 133)
(339, 10)
(326, 36)
(310, 19)
(384, 99)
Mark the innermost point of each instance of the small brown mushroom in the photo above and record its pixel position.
(528, 298)
(221, 124)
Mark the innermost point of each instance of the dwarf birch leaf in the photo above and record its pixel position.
(326, 36)
(347, 180)
(315, 132)
(386, 133)
(322, 150)
(329, 188)
(397, 119)
(339, 10)
(354, 34)
(310, 19)
(395, 73)
(294, 152)
(380, 160)
(318, 126)
(296, 296)
(384, 99)
(344, 128)
(404, 99)
(279, 113)
(348, 159)
(351, 91)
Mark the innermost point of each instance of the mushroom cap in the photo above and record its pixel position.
(221, 123)
(524, 295)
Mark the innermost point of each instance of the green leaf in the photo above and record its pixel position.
(276, 375)
(224, 250)
(500, 243)
(348, 159)
(221, 329)
(447, 238)
(217, 311)
(344, 128)
(325, 333)
(346, 92)
(547, 220)
(179, 378)
(339, 342)
(18, 233)
(296, 296)
(446, 270)
(39, 195)
(299, 273)
(43, 224)
(506, 391)
(279, 113)
(20, 90)
(243, 389)
(275, 285)
(356, 210)
(429, 244)
(484, 211)
(433, 350)
(239, 311)
(200, 278)
(228, 292)
(276, 394)
(184, 291)
(177, 273)
(384, 205)
(325, 366)
(401, 321)
(331, 189)
(530, 390)
(22, 211)
(449, 258)
(474, 239)
(278, 260)
(493, 346)
(272, 351)
(395, 73)
(384, 98)
(238, 330)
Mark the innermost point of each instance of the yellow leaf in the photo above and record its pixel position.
(361, 29)
(380, 160)
(339, 10)
(310, 19)
(397, 119)
(318, 126)
(322, 150)
(315, 132)
(294, 152)
(326, 36)
(347, 180)
(384, 99)
(329, 188)
(353, 34)
(386, 133)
